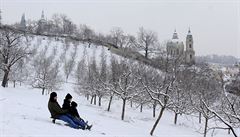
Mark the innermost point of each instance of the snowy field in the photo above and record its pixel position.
(24, 113)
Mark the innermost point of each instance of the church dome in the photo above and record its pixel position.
(175, 39)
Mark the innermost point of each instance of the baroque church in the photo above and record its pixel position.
(175, 48)
(41, 24)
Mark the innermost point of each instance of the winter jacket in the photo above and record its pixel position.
(66, 104)
(73, 111)
(55, 109)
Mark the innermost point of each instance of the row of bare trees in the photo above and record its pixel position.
(195, 90)
(145, 40)
(14, 45)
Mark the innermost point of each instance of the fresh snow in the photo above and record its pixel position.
(24, 113)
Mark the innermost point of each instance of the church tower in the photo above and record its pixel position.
(190, 53)
(41, 23)
(23, 23)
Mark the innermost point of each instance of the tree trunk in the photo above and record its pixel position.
(99, 101)
(123, 108)
(14, 83)
(205, 128)
(154, 109)
(43, 89)
(110, 102)
(92, 100)
(66, 78)
(231, 128)
(200, 118)
(141, 107)
(175, 118)
(157, 121)
(5, 78)
(146, 52)
(95, 99)
(87, 96)
(131, 103)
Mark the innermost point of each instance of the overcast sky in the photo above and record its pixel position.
(215, 24)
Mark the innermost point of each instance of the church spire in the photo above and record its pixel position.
(189, 31)
(23, 17)
(42, 16)
(23, 22)
(175, 35)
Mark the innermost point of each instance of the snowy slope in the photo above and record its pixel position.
(24, 110)
(24, 113)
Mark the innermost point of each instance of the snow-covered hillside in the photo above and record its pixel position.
(24, 113)
(24, 110)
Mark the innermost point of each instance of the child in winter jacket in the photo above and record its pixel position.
(74, 112)
(67, 102)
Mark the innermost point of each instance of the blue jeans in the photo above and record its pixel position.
(77, 121)
(67, 119)
(73, 122)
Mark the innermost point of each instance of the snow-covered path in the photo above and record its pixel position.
(24, 113)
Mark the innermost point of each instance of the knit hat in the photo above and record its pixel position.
(68, 96)
(74, 104)
(52, 96)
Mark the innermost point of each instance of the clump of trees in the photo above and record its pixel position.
(13, 48)
(184, 90)
(46, 74)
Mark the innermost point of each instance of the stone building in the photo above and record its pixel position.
(176, 48)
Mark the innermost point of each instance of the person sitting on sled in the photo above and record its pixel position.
(62, 114)
(74, 112)
(71, 106)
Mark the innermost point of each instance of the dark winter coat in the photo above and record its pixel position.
(55, 109)
(66, 104)
(74, 112)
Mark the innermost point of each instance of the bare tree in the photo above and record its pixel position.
(146, 41)
(118, 37)
(102, 76)
(85, 32)
(227, 110)
(46, 73)
(180, 102)
(13, 47)
(228, 115)
(207, 90)
(113, 79)
(70, 64)
(68, 26)
(92, 79)
(19, 72)
(126, 85)
(81, 71)
(159, 92)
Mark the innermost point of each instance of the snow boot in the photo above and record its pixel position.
(89, 127)
(83, 128)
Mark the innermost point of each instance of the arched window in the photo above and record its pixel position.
(190, 56)
(190, 46)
